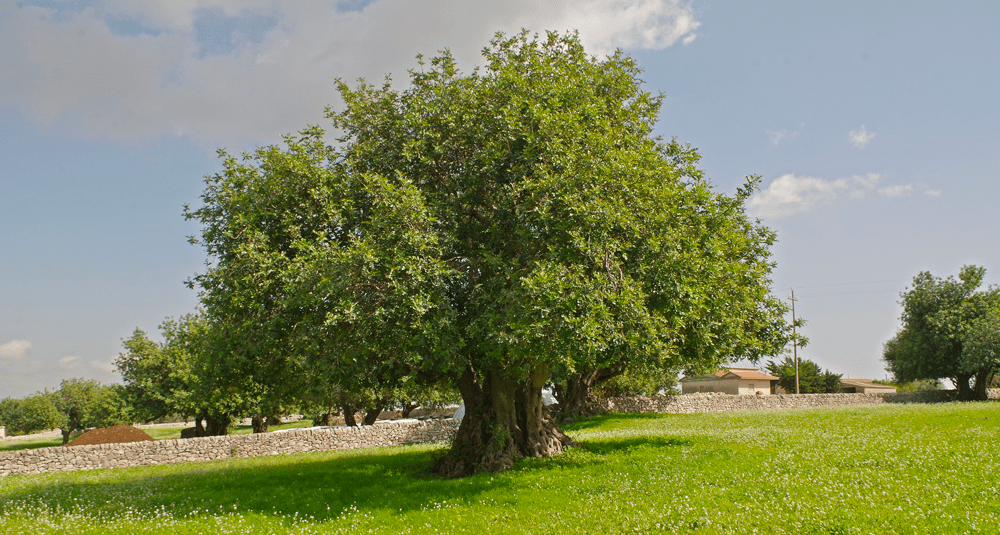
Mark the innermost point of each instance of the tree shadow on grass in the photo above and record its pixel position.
(320, 485)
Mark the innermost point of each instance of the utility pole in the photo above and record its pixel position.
(795, 342)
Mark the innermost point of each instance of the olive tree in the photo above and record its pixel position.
(951, 329)
(501, 229)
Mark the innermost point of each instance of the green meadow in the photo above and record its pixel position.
(872, 469)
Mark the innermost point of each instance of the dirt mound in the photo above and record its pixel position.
(111, 435)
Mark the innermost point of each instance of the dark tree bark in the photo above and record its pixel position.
(982, 383)
(504, 421)
(349, 410)
(964, 391)
(574, 395)
(65, 434)
(407, 409)
(216, 425)
(260, 423)
(371, 416)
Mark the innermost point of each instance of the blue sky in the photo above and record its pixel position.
(873, 126)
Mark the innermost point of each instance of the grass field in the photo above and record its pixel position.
(875, 469)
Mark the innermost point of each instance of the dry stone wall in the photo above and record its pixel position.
(222, 447)
(396, 433)
(719, 402)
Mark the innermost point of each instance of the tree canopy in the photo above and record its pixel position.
(812, 378)
(951, 329)
(501, 229)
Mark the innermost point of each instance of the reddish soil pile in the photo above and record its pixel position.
(111, 435)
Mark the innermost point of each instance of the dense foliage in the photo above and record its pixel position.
(951, 329)
(500, 230)
(812, 378)
(33, 413)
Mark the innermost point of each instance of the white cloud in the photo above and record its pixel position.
(896, 191)
(776, 137)
(75, 75)
(861, 137)
(15, 349)
(932, 193)
(106, 366)
(69, 363)
(792, 194)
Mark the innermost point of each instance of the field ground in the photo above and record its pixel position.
(872, 469)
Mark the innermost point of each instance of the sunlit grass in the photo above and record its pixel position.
(876, 469)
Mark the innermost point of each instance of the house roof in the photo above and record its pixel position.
(863, 383)
(734, 373)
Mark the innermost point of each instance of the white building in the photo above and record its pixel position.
(734, 381)
(864, 386)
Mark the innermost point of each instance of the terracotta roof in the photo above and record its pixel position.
(734, 373)
(751, 374)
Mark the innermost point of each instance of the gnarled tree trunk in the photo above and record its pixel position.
(982, 382)
(371, 416)
(964, 391)
(259, 424)
(349, 410)
(408, 408)
(574, 395)
(504, 421)
(216, 425)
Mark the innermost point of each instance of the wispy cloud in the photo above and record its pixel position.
(861, 137)
(792, 194)
(75, 72)
(896, 191)
(15, 349)
(932, 193)
(106, 365)
(776, 137)
(70, 363)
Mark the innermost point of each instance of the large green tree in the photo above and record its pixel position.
(951, 329)
(501, 229)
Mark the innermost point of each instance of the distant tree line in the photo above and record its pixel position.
(77, 405)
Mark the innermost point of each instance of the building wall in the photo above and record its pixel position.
(727, 386)
(755, 387)
(733, 387)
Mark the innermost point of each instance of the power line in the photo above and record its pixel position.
(851, 283)
(858, 292)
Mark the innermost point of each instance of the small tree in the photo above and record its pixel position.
(33, 413)
(87, 403)
(812, 378)
(180, 376)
